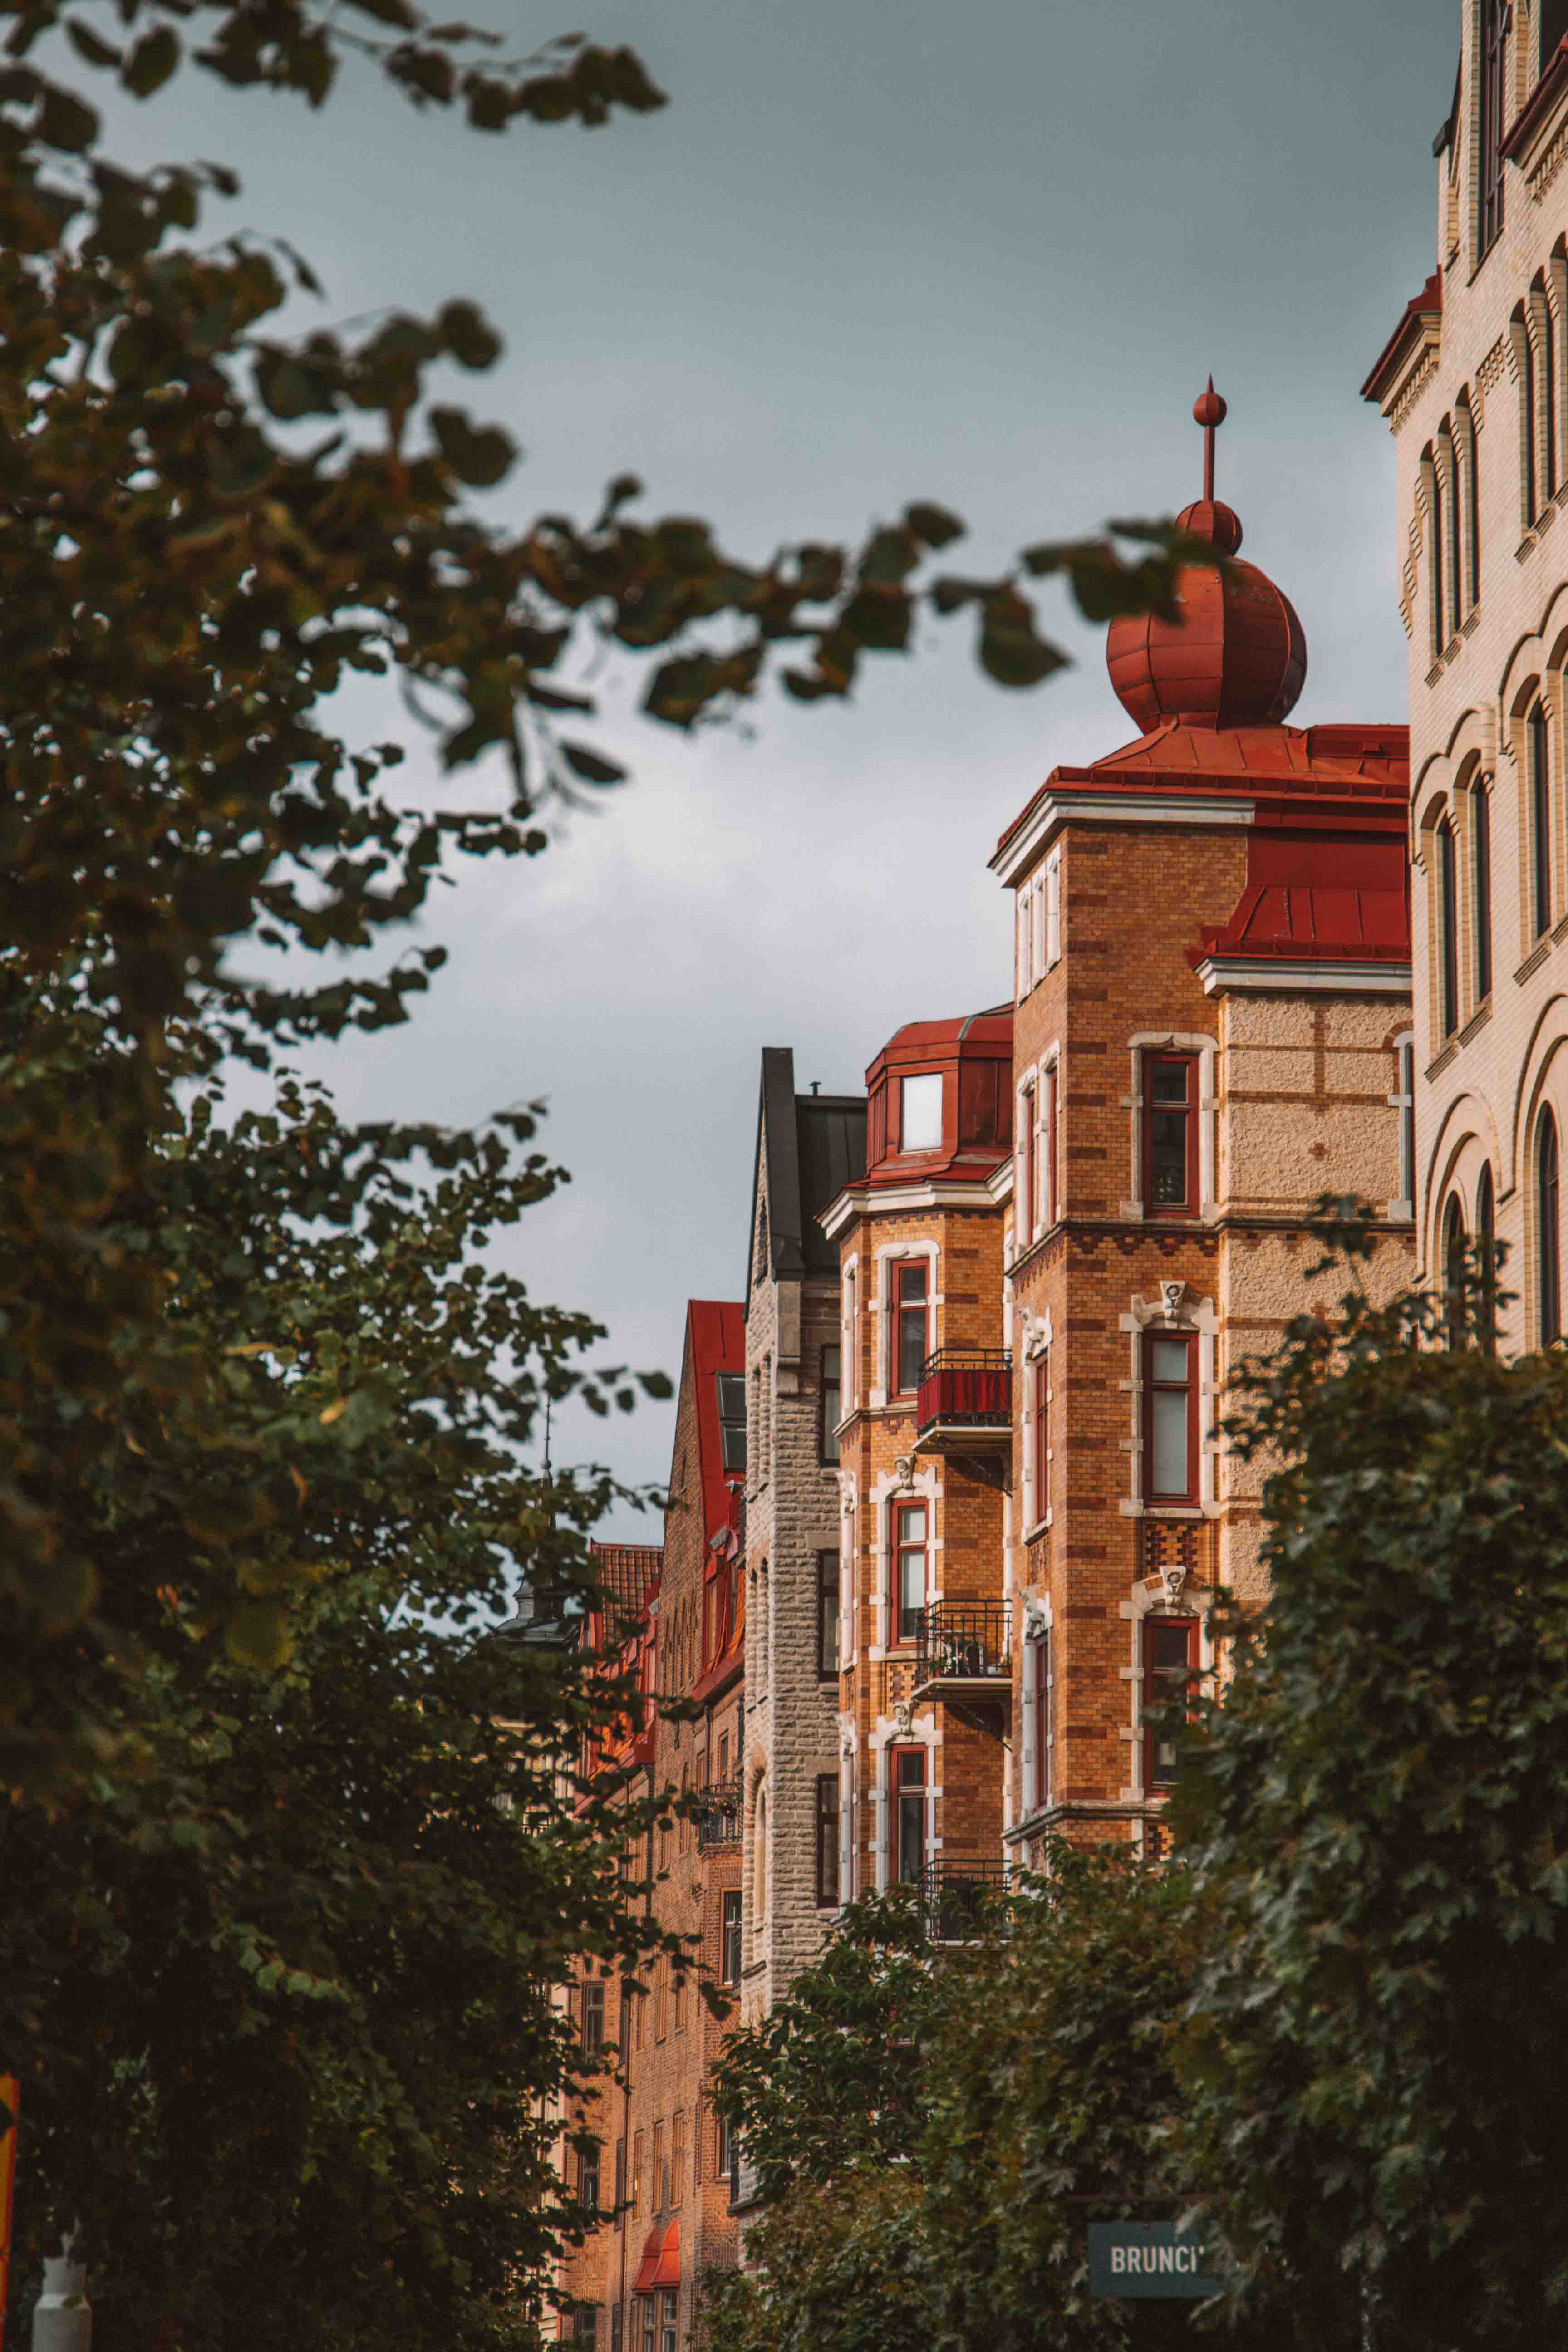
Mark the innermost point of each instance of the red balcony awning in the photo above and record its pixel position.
(643, 2283)
(669, 2271)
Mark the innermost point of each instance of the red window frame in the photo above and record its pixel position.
(1041, 1793)
(904, 1548)
(1155, 1387)
(910, 1316)
(1042, 1421)
(906, 1778)
(1161, 1103)
(1164, 1634)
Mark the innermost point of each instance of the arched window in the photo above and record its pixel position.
(1454, 1318)
(1538, 755)
(1448, 487)
(1449, 927)
(1493, 111)
(1548, 1236)
(760, 1856)
(1525, 357)
(1467, 494)
(1439, 550)
(1481, 883)
(1486, 1260)
(1548, 394)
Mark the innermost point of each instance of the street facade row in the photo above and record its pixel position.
(950, 1500)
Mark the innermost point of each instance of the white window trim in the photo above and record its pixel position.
(1036, 1355)
(889, 1255)
(888, 1488)
(1147, 1600)
(848, 1529)
(1191, 1316)
(849, 1365)
(1037, 1620)
(1404, 1105)
(848, 1748)
(920, 1732)
(1028, 1225)
(1053, 894)
(1176, 1041)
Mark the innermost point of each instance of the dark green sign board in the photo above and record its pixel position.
(1147, 2258)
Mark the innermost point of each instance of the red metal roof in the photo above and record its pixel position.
(715, 1342)
(668, 2271)
(1313, 895)
(643, 2283)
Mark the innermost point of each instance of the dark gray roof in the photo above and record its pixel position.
(813, 1146)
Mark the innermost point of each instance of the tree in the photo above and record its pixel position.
(280, 1998)
(210, 526)
(1380, 1812)
(933, 2132)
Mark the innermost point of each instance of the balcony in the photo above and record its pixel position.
(962, 1894)
(718, 1823)
(962, 1642)
(964, 1403)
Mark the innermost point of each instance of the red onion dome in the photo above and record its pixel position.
(1238, 656)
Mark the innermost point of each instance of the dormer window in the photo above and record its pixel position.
(920, 1114)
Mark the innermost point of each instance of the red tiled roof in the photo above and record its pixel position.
(715, 1342)
(629, 1574)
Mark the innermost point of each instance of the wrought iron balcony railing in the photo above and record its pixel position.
(961, 1892)
(966, 1388)
(718, 1823)
(962, 1641)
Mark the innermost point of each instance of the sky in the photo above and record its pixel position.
(871, 250)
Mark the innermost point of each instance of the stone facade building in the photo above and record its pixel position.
(1474, 383)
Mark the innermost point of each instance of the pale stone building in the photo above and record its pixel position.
(1474, 383)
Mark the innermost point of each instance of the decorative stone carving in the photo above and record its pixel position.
(903, 1719)
(1036, 1619)
(1171, 1296)
(904, 1469)
(1035, 1336)
(1172, 1580)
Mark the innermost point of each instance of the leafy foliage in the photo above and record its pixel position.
(211, 527)
(1382, 1812)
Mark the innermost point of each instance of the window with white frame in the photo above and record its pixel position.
(1053, 895)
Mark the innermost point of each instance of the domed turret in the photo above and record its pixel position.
(1238, 656)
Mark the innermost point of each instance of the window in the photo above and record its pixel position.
(1171, 1134)
(1025, 1220)
(1486, 1260)
(661, 1970)
(639, 2011)
(1170, 1419)
(731, 1387)
(678, 1999)
(826, 1838)
(1439, 534)
(637, 2171)
(1025, 912)
(1405, 1102)
(920, 1114)
(729, 1937)
(1040, 1651)
(1053, 909)
(1042, 1425)
(615, 2323)
(593, 2016)
(585, 2324)
(1544, 323)
(1447, 928)
(1481, 885)
(1454, 1318)
(1493, 109)
(649, 2329)
(667, 2330)
(910, 1294)
(908, 1767)
(1170, 1664)
(1470, 491)
(909, 1566)
(677, 2160)
(620, 2172)
(660, 2177)
(830, 1408)
(1548, 1231)
(588, 2178)
(723, 2149)
(826, 1615)
(982, 1104)
(1538, 761)
(1049, 1151)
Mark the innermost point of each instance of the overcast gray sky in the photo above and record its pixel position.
(873, 249)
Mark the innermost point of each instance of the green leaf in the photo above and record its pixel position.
(469, 335)
(91, 45)
(480, 454)
(66, 121)
(591, 766)
(259, 1634)
(152, 61)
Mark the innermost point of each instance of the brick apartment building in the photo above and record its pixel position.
(1474, 384)
(645, 2149)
